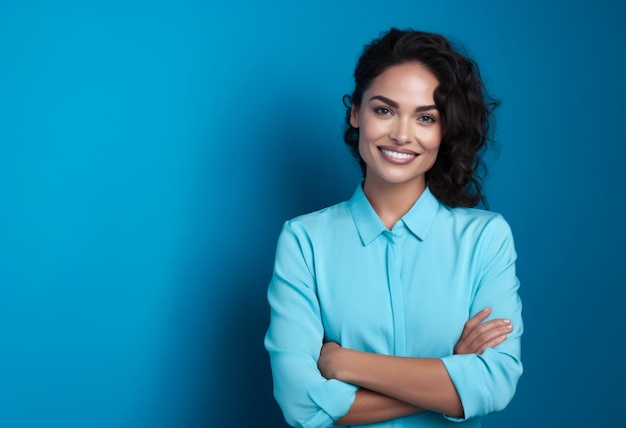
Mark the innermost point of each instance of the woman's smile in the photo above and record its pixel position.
(397, 156)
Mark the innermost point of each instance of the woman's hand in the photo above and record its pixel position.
(477, 337)
(328, 354)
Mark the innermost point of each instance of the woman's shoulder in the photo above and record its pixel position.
(476, 214)
(325, 217)
(476, 218)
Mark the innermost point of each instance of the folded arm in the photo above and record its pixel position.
(393, 387)
(295, 336)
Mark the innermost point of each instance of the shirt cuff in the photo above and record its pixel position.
(469, 383)
(334, 399)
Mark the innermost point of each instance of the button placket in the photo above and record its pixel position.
(396, 295)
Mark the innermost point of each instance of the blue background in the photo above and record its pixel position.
(150, 152)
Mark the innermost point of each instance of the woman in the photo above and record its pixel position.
(399, 307)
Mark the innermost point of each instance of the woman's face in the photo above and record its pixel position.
(399, 125)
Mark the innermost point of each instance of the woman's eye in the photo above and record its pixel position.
(383, 111)
(427, 119)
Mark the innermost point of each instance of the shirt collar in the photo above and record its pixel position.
(369, 225)
(421, 215)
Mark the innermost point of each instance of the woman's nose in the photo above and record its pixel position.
(400, 132)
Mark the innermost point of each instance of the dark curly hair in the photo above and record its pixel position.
(465, 107)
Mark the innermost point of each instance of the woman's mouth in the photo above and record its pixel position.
(397, 157)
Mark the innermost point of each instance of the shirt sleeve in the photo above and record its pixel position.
(295, 336)
(486, 383)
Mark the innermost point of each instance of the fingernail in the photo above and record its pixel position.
(506, 321)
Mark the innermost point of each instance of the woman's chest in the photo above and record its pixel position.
(402, 301)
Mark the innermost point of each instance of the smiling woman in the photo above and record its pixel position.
(401, 303)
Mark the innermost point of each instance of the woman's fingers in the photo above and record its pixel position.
(489, 334)
(491, 344)
(478, 335)
(475, 321)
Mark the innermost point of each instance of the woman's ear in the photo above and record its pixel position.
(354, 117)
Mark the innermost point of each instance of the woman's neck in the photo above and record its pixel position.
(392, 201)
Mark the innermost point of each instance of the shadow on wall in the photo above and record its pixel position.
(231, 382)
(299, 180)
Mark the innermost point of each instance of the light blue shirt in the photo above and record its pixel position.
(341, 276)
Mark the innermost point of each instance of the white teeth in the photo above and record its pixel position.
(397, 155)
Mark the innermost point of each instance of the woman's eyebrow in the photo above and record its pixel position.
(386, 100)
(426, 108)
(394, 104)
